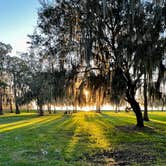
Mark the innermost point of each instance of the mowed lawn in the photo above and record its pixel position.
(84, 138)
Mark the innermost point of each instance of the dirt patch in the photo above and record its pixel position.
(83, 135)
(131, 129)
(123, 157)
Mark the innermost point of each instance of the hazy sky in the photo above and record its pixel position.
(17, 19)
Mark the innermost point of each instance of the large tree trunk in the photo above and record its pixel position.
(162, 105)
(99, 101)
(130, 94)
(1, 108)
(98, 109)
(160, 76)
(41, 112)
(75, 109)
(17, 108)
(116, 108)
(49, 108)
(54, 109)
(11, 107)
(17, 111)
(146, 118)
(137, 110)
(27, 107)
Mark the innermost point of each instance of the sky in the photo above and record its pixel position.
(18, 18)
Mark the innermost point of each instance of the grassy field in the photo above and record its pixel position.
(84, 138)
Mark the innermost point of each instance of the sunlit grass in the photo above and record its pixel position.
(81, 139)
(159, 121)
(25, 123)
(87, 132)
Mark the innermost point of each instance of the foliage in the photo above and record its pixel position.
(102, 37)
(19, 72)
(4, 50)
(118, 84)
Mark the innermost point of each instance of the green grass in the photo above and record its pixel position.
(84, 138)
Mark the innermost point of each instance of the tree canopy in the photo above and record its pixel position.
(109, 49)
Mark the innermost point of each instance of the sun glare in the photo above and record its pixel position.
(86, 93)
(86, 109)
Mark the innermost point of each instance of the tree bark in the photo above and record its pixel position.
(17, 111)
(27, 108)
(49, 109)
(41, 112)
(1, 107)
(17, 108)
(11, 108)
(162, 105)
(116, 108)
(75, 107)
(98, 109)
(146, 117)
(130, 94)
(136, 108)
(98, 102)
(54, 109)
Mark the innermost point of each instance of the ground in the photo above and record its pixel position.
(84, 138)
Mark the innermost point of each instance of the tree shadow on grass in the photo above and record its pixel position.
(95, 139)
(44, 141)
(25, 123)
(14, 118)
